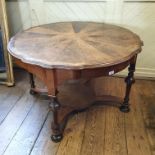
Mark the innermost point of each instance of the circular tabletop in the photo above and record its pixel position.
(75, 45)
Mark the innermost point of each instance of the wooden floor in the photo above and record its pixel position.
(25, 123)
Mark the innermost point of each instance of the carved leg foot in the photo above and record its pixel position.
(32, 92)
(129, 81)
(125, 108)
(56, 138)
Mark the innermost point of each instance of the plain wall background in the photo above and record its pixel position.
(137, 15)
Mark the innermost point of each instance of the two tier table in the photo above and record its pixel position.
(69, 51)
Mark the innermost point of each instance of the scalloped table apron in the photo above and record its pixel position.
(67, 55)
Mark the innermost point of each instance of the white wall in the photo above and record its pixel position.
(137, 15)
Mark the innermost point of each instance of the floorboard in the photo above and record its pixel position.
(94, 133)
(9, 99)
(28, 132)
(73, 136)
(44, 145)
(147, 95)
(14, 120)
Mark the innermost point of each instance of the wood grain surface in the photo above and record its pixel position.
(75, 45)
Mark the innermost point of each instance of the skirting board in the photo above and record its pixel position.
(140, 73)
(3, 76)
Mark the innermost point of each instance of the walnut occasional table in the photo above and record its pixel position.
(59, 52)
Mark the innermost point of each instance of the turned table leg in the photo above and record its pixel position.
(51, 83)
(56, 131)
(129, 81)
(32, 84)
